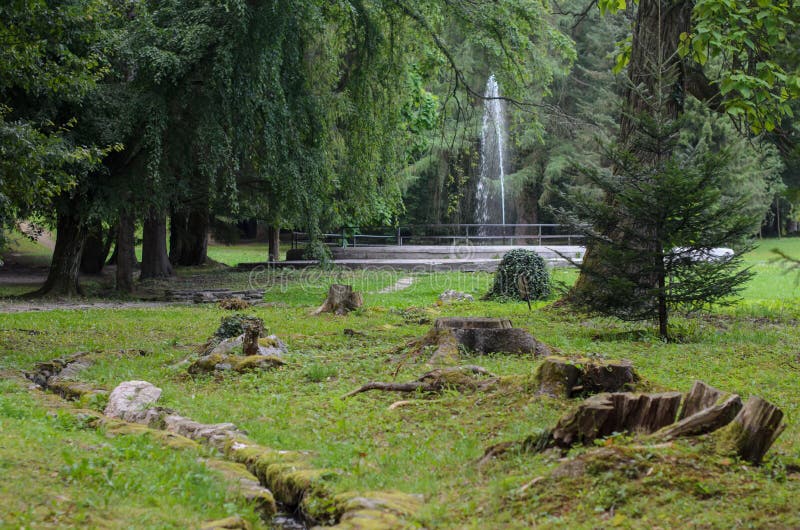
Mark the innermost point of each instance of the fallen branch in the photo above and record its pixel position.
(458, 378)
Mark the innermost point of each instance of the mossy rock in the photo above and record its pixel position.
(249, 485)
(207, 363)
(258, 459)
(289, 483)
(254, 362)
(371, 520)
(170, 439)
(396, 502)
(235, 522)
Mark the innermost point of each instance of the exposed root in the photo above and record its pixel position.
(458, 378)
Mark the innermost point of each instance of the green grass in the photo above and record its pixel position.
(432, 446)
(58, 473)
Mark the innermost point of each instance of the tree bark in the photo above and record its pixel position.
(654, 57)
(126, 254)
(188, 238)
(274, 243)
(96, 249)
(62, 278)
(155, 262)
(753, 431)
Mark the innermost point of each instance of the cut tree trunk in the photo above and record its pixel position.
(753, 431)
(155, 262)
(472, 323)
(565, 378)
(274, 243)
(62, 278)
(341, 300)
(126, 253)
(604, 414)
(461, 378)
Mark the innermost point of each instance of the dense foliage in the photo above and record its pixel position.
(521, 275)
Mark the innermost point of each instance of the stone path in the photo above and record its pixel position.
(399, 285)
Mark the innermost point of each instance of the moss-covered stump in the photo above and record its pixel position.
(341, 300)
(604, 414)
(566, 378)
(478, 336)
(753, 431)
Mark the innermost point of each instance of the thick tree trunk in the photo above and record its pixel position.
(188, 238)
(177, 235)
(126, 254)
(62, 279)
(654, 61)
(274, 243)
(155, 262)
(96, 249)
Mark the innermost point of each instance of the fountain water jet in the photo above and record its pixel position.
(492, 152)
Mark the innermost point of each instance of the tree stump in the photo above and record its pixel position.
(560, 377)
(604, 414)
(700, 397)
(253, 327)
(341, 300)
(472, 323)
(753, 431)
(705, 421)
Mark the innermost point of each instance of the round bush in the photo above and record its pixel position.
(520, 267)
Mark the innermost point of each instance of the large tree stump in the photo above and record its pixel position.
(560, 377)
(341, 300)
(472, 323)
(604, 414)
(753, 431)
(253, 327)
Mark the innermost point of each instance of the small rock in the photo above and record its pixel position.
(227, 346)
(131, 396)
(455, 296)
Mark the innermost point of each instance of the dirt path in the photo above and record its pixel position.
(402, 283)
(23, 306)
(45, 238)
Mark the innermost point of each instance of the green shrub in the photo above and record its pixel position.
(521, 267)
(233, 326)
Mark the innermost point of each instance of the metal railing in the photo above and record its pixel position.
(445, 234)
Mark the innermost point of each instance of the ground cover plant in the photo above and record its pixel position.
(433, 445)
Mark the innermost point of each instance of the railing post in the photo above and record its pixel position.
(399, 237)
(540, 235)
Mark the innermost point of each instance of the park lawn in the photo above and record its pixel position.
(432, 446)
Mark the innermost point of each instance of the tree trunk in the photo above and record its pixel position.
(96, 249)
(62, 279)
(656, 36)
(341, 300)
(274, 243)
(155, 262)
(188, 238)
(177, 236)
(126, 254)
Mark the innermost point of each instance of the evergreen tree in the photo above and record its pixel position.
(654, 221)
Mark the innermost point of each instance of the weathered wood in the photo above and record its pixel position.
(705, 421)
(472, 323)
(253, 328)
(604, 414)
(341, 300)
(561, 377)
(700, 397)
(753, 431)
(460, 378)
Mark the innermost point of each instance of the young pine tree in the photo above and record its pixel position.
(653, 221)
